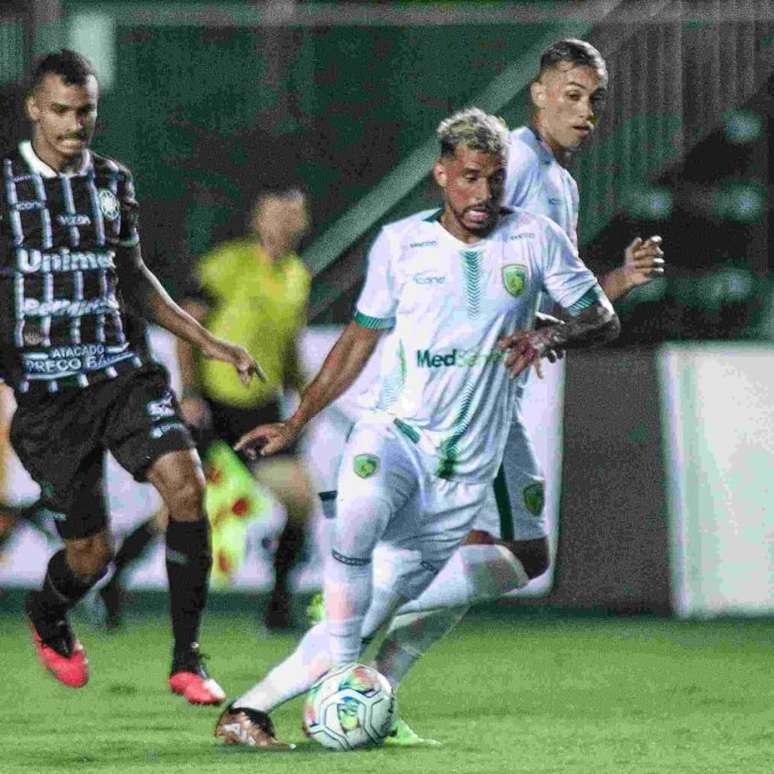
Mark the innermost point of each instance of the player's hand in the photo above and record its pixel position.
(643, 261)
(239, 357)
(524, 349)
(543, 320)
(195, 411)
(265, 440)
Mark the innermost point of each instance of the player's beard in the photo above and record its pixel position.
(475, 228)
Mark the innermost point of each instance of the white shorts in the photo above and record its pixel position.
(427, 514)
(520, 492)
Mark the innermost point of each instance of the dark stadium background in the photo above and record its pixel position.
(208, 102)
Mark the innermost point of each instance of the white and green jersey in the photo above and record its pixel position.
(442, 377)
(536, 181)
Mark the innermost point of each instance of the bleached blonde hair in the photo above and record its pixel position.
(474, 129)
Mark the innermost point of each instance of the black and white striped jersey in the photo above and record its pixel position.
(62, 320)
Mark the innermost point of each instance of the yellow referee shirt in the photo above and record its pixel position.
(258, 303)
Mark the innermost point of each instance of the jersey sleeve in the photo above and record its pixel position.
(378, 301)
(129, 235)
(565, 277)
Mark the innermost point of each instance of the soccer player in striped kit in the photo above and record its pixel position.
(75, 294)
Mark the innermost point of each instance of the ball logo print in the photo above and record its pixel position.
(349, 707)
(365, 465)
(108, 203)
(514, 278)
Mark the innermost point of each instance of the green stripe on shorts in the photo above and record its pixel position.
(503, 506)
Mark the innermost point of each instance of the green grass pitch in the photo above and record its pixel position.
(528, 692)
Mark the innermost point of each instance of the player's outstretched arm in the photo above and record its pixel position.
(596, 324)
(344, 363)
(643, 262)
(153, 302)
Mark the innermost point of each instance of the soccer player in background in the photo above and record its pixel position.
(252, 291)
(75, 293)
(458, 288)
(567, 97)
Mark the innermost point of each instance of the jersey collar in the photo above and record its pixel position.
(481, 243)
(540, 144)
(37, 165)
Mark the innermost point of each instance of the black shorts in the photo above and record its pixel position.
(62, 440)
(230, 423)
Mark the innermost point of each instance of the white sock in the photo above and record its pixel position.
(410, 635)
(475, 573)
(347, 598)
(348, 580)
(293, 676)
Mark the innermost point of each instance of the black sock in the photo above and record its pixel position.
(62, 588)
(289, 547)
(189, 559)
(132, 548)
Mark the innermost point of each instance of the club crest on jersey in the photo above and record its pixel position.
(365, 465)
(514, 278)
(534, 498)
(108, 203)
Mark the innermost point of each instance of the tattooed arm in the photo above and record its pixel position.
(596, 324)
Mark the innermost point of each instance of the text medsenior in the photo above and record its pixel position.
(457, 357)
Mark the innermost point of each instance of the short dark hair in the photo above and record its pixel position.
(74, 68)
(577, 52)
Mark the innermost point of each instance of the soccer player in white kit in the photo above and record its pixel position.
(567, 98)
(459, 291)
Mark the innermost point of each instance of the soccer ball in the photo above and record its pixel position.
(350, 706)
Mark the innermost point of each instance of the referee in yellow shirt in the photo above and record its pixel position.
(257, 288)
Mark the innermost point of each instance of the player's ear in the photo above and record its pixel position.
(439, 173)
(538, 93)
(31, 106)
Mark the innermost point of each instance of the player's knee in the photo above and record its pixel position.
(89, 557)
(533, 555)
(186, 501)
